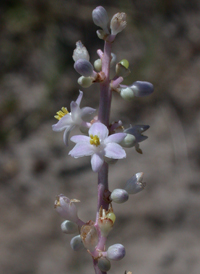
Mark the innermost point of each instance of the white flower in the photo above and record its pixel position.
(98, 145)
(69, 120)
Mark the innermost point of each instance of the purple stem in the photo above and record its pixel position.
(105, 92)
(103, 116)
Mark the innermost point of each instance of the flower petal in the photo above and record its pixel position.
(66, 134)
(87, 111)
(100, 130)
(97, 161)
(64, 122)
(80, 139)
(82, 149)
(78, 100)
(115, 138)
(114, 151)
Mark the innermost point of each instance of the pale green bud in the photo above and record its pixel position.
(98, 65)
(129, 141)
(127, 94)
(85, 82)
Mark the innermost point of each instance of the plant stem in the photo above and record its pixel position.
(105, 92)
(103, 116)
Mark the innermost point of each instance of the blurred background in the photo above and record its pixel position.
(160, 227)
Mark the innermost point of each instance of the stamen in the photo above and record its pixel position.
(94, 140)
(61, 113)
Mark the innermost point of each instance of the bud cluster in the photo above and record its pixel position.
(105, 143)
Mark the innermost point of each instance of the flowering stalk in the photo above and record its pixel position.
(101, 141)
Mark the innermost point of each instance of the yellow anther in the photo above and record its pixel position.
(61, 113)
(57, 202)
(94, 140)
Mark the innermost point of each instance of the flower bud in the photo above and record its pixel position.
(127, 93)
(69, 227)
(116, 252)
(85, 82)
(119, 196)
(129, 141)
(80, 52)
(98, 65)
(76, 243)
(122, 70)
(124, 63)
(89, 236)
(66, 208)
(135, 184)
(106, 221)
(141, 88)
(101, 34)
(104, 264)
(137, 131)
(83, 67)
(118, 23)
(100, 18)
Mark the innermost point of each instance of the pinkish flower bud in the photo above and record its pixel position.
(76, 243)
(66, 208)
(83, 67)
(135, 184)
(118, 23)
(119, 196)
(116, 252)
(100, 18)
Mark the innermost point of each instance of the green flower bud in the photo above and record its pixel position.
(129, 141)
(104, 264)
(98, 65)
(85, 82)
(122, 70)
(124, 63)
(127, 94)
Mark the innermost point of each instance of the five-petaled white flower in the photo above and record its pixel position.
(98, 145)
(69, 120)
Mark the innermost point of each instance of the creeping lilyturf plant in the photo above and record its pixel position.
(102, 140)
